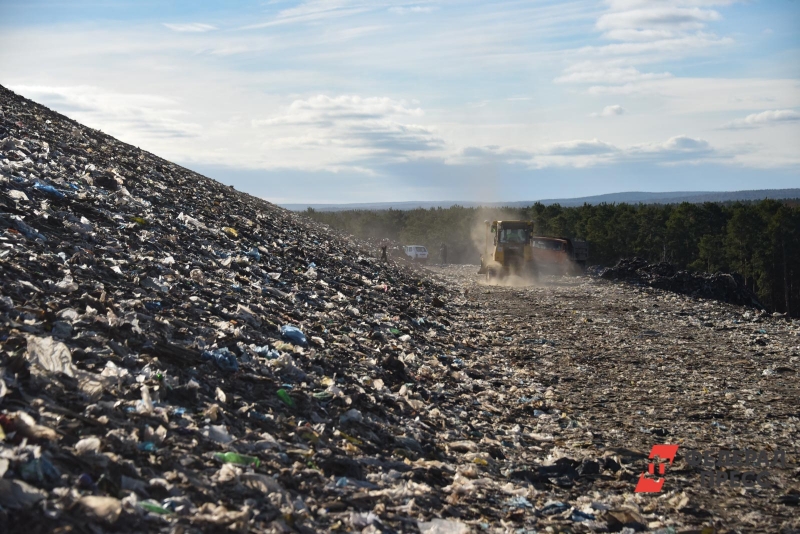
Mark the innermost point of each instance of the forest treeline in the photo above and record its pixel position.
(759, 240)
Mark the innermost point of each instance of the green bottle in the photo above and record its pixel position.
(154, 508)
(284, 396)
(236, 458)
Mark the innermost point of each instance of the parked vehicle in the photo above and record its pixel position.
(416, 253)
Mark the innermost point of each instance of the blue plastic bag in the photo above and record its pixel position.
(49, 189)
(294, 334)
(224, 359)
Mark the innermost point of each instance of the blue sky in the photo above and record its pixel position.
(349, 101)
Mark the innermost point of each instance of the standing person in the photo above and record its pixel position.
(443, 252)
(383, 251)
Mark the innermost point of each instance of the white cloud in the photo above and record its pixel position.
(490, 154)
(350, 128)
(610, 111)
(608, 72)
(676, 149)
(765, 118)
(581, 153)
(706, 95)
(402, 10)
(666, 49)
(137, 117)
(586, 153)
(644, 32)
(314, 11)
(324, 110)
(579, 148)
(673, 149)
(669, 17)
(191, 27)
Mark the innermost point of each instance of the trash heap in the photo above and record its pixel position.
(176, 356)
(176, 352)
(583, 377)
(723, 287)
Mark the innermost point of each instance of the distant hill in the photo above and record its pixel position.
(630, 197)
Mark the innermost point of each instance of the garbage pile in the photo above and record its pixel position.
(176, 356)
(584, 377)
(723, 287)
(176, 352)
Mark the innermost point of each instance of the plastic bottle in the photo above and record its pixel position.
(154, 508)
(236, 458)
(284, 396)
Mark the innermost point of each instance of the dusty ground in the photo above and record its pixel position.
(625, 368)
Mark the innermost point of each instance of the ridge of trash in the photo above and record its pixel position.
(178, 356)
(724, 287)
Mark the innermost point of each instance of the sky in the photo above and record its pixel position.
(347, 101)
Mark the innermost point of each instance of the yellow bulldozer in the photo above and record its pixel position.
(507, 249)
(511, 248)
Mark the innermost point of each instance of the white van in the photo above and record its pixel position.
(416, 253)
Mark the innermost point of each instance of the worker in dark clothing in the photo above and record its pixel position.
(443, 252)
(383, 253)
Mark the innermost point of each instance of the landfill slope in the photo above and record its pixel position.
(150, 382)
